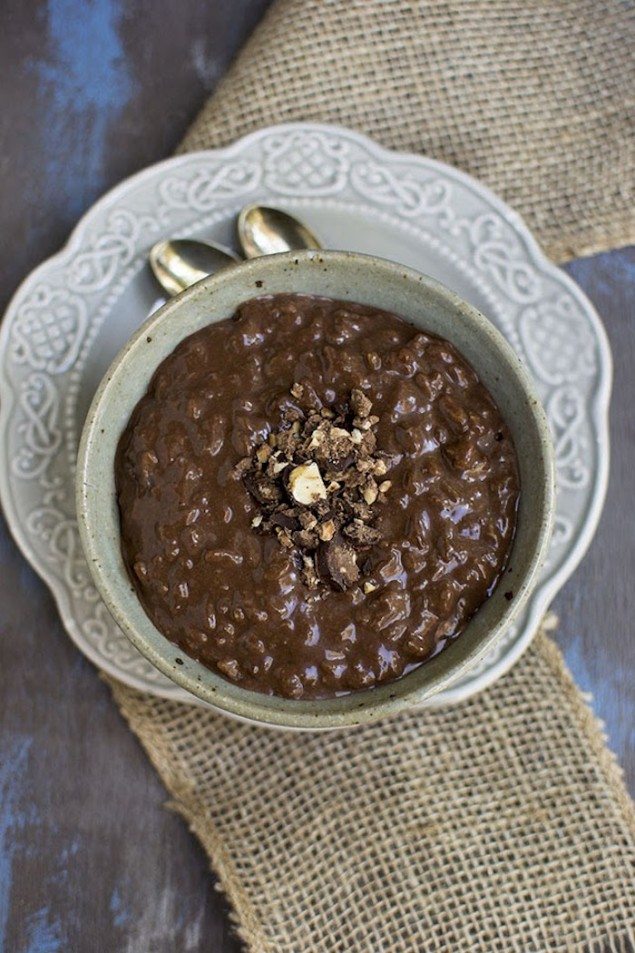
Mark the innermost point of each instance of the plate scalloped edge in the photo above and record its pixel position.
(279, 163)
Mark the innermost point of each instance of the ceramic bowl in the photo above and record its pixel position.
(345, 276)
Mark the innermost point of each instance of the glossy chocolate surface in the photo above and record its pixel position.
(235, 597)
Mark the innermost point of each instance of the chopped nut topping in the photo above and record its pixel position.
(314, 482)
(306, 484)
(307, 520)
(370, 492)
(326, 531)
(263, 453)
(360, 403)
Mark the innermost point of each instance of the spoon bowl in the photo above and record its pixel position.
(269, 231)
(181, 262)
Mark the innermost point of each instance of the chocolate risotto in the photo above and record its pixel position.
(315, 496)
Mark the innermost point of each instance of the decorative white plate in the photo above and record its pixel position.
(73, 314)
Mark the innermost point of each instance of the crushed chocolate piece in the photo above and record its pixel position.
(362, 511)
(361, 534)
(314, 480)
(262, 488)
(311, 577)
(361, 404)
(336, 563)
(284, 537)
(284, 521)
(307, 519)
(305, 539)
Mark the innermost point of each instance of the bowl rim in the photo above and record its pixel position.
(274, 711)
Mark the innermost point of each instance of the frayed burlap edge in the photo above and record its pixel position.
(138, 710)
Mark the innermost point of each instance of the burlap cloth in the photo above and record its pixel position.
(501, 824)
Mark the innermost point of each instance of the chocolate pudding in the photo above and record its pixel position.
(315, 496)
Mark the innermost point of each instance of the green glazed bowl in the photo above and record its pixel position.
(345, 276)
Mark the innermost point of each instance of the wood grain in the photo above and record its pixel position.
(89, 859)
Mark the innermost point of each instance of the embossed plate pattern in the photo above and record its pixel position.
(71, 316)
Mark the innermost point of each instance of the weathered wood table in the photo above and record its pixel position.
(91, 91)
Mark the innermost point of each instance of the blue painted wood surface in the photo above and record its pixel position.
(90, 91)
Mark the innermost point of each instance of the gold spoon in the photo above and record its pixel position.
(180, 262)
(267, 231)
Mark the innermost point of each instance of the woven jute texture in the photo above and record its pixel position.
(496, 826)
(501, 824)
(534, 97)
